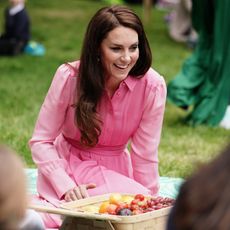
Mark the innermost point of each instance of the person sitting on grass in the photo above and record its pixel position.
(16, 33)
(94, 108)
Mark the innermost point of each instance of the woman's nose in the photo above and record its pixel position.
(126, 57)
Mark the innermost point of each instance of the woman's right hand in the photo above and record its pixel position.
(78, 192)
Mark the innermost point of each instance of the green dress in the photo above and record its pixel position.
(204, 80)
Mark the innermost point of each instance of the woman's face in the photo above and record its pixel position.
(119, 53)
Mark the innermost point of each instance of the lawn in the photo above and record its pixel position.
(60, 26)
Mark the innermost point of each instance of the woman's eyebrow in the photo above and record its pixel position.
(116, 44)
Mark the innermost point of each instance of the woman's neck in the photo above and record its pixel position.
(111, 87)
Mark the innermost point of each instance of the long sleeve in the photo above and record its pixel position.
(51, 163)
(145, 141)
(22, 26)
(17, 26)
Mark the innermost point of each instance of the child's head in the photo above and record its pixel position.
(16, 2)
(203, 200)
(13, 199)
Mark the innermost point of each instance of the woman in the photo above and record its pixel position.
(93, 108)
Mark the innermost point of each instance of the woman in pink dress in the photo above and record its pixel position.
(99, 127)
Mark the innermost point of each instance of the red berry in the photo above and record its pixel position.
(134, 206)
(139, 197)
(135, 201)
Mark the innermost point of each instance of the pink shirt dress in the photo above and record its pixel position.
(125, 159)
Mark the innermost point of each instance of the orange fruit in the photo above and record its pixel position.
(103, 207)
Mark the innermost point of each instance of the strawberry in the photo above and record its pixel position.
(139, 197)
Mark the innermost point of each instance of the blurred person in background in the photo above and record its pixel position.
(204, 81)
(94, 109)
(16, 29)
(14, 214)
(180, 23)
(203, 201)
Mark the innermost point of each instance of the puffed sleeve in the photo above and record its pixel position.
(48, 126)
(145, 141)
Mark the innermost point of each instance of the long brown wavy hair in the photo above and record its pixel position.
(91, 83)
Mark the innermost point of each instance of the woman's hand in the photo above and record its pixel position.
(78, 192)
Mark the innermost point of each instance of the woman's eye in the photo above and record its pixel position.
(133, 48)
(115, 49)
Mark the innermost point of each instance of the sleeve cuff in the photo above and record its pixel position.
(61, 182)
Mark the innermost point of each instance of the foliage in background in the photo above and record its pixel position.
(60, 26)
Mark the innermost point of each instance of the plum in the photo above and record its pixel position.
(124, 212)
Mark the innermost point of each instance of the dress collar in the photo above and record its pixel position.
(15, 9)
(130, 82)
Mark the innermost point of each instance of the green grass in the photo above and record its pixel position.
(60, 26)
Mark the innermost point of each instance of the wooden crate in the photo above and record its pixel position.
(154, 220)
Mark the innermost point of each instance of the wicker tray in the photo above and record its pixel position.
(154, 220)
(76, 218)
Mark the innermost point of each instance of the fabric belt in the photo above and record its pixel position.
(100, 149)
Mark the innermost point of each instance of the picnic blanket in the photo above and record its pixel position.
(169, 186)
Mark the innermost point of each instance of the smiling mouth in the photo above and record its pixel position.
(121, 66)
